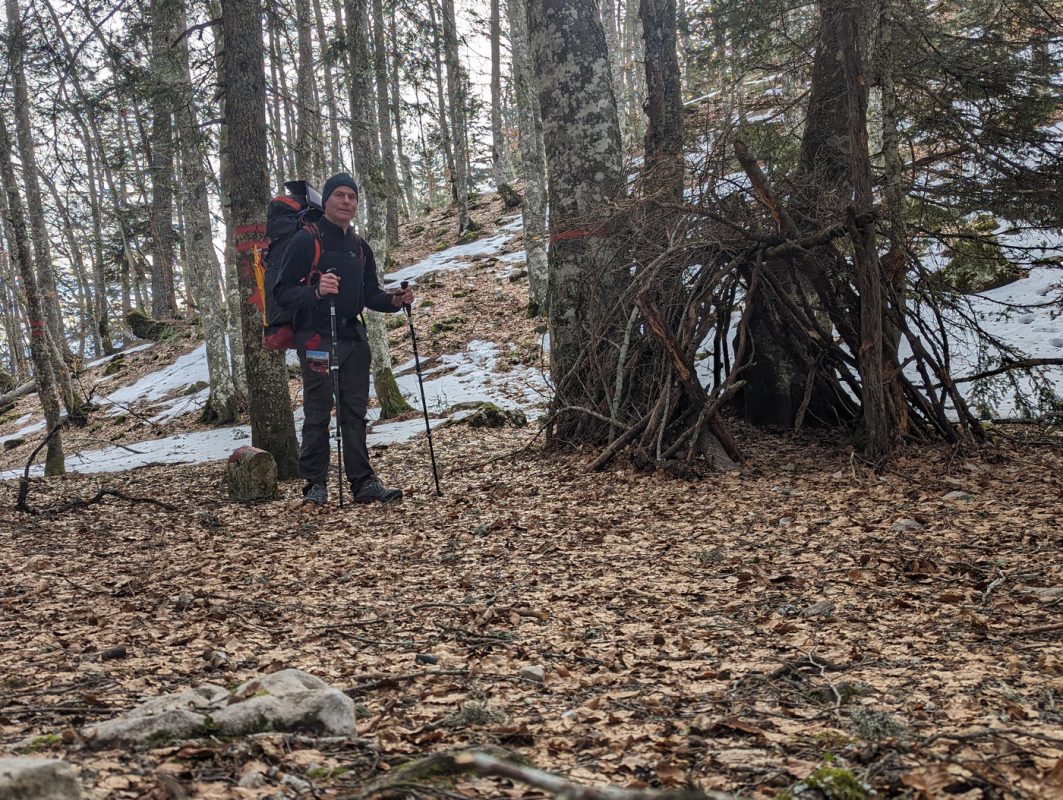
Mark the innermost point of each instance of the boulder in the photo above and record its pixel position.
(485, 415)
(287, 700)
(37, 779)
(252, 475)
(144, 327)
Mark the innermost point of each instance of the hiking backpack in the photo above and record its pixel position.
(286, 215)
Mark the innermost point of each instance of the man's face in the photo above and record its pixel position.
(341, 206)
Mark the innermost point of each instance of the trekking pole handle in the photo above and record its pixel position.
(405, 306)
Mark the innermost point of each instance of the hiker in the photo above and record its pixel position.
(347, 278)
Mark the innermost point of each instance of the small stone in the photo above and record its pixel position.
(426, 658)
(517, 274)
(298, 784)
(906, 524)
(534, 673)
(252, 779)
(37, 779)
(824, 608)
(786, 522)
(957, 495)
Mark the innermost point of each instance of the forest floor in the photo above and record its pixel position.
(738, 633)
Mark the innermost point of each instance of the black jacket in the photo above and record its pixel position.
(359, 287)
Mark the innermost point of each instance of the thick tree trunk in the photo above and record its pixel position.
(456, 97)
(272, 424)
(879, 418)
(42, 363)
(782, 385)
(164, 69)
(583, 153)
(533, 159)
(203, 270)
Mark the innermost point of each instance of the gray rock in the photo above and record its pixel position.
(906, 524)
(534, 673)
(252, 475)
(140, 729)
(517, 274)
(327, 711)
(957, 495)
(282, 701)
(37, 779)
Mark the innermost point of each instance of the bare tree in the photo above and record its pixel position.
(272, 423)
(457, 97)
(39, 347)
(165, 73)
(203, 269)
(533, 159)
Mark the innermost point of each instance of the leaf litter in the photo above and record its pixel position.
(742, 632)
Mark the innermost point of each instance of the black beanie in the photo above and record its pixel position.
(335, 182)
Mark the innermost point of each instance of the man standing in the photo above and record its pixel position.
(345, 275)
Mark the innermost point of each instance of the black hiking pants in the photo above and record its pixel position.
(354, 361)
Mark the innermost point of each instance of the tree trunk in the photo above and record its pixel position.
(276, 117)
(203, 270)
(233, 303)
(456, 96)
(879, 418)
(663, 167)
(42, 365)
(581, 134)
(42, 256)
(396, 113)
(782, 381)
(12, 303)
(441, 102)
(164, 75)
(500, 168)
(308, 118)
(532, 159)
(334, 161)
(616, 58)
(387, 142)
(374, 194)
(272, 424)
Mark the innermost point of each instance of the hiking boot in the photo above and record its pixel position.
(373, 491)
(315, 493)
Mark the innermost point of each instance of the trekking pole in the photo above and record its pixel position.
(334, 369)
(424, 403)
